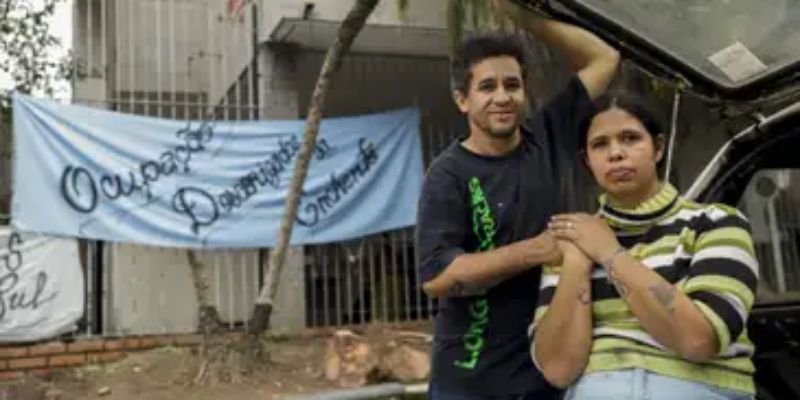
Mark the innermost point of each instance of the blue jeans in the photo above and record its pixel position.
(639, 384)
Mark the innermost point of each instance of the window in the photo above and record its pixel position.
(751, 39)
(772, 203)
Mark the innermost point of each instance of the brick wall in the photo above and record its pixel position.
(43, 358)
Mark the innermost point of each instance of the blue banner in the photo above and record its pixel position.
(102, 175)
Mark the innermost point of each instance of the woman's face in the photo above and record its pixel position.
(622, 155)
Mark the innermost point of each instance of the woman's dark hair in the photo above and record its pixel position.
(478, 48)
(640, 108)
(637, 106)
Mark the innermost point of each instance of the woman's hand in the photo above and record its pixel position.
(590, 233)
(574, 257)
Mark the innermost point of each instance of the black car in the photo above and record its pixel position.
(739, 61)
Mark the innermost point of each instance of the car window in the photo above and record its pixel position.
(750, 39)
(772, 204)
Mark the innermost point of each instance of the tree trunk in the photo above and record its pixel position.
(348, 31)
(207, 316)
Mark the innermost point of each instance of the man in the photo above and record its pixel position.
(485, 204)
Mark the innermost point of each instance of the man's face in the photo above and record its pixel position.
(495, 98)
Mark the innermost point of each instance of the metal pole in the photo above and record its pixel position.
(676, 104)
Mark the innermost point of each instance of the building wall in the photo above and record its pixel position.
(428, 14)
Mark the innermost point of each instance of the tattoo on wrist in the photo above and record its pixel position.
(622, 289)
(584, 297)
(665, 294)
(608, 262)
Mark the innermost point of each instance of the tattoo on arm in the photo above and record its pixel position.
(622, 289)
(665, 294)
(584, 296)
(460, 289)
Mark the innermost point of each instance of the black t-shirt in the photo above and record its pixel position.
(480, 343)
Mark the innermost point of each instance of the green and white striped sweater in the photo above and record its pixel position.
(706, 251)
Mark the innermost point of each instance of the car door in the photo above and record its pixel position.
(759, 173)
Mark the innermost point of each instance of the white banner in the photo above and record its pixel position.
(41, 286)
(96, 174)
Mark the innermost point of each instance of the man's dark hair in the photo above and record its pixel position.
(478, 48)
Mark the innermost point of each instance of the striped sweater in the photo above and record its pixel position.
(706, 251)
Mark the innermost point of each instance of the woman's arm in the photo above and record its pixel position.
(563, 327)
(667, 314)
(706, 312)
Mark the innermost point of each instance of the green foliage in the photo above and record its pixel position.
(27, 47)
(463, 15)
(402, 7)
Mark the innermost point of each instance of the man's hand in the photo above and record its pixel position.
(542, 249)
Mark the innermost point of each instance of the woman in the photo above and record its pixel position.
(653, 295)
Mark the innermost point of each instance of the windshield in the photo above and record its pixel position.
(731, 42)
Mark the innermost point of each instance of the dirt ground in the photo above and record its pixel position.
(294, 367)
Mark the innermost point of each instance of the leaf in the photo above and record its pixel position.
(402, 8)
(455, 23)
(26, 44)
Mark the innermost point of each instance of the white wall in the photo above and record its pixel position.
(161, 45)
(420, 13)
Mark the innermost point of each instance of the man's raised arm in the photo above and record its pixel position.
(590, 57)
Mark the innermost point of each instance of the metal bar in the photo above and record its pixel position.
(775, 238)
(159, 91)
(676, 106)
(117, 57)
(173, 74)
(147, 261)
(313, 272)
(251, 69)
(222, 48)
(229, 263)
(417, 286)
(145, 102)
(89, 39)
(338, 280)
(217, 281)
(74, 60)
(164, 103)
(361, 286)
(108, 258)
(245, 298)
(372, 296)
(349, 276)
(241, 80)
(209, 40)
(384, 291)
(407, 283)
(326, 298)
(191, 107)
(791, 237)
(89, 289)
(103, 49)
(379, 391)
(131, 55)
(395, 278)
